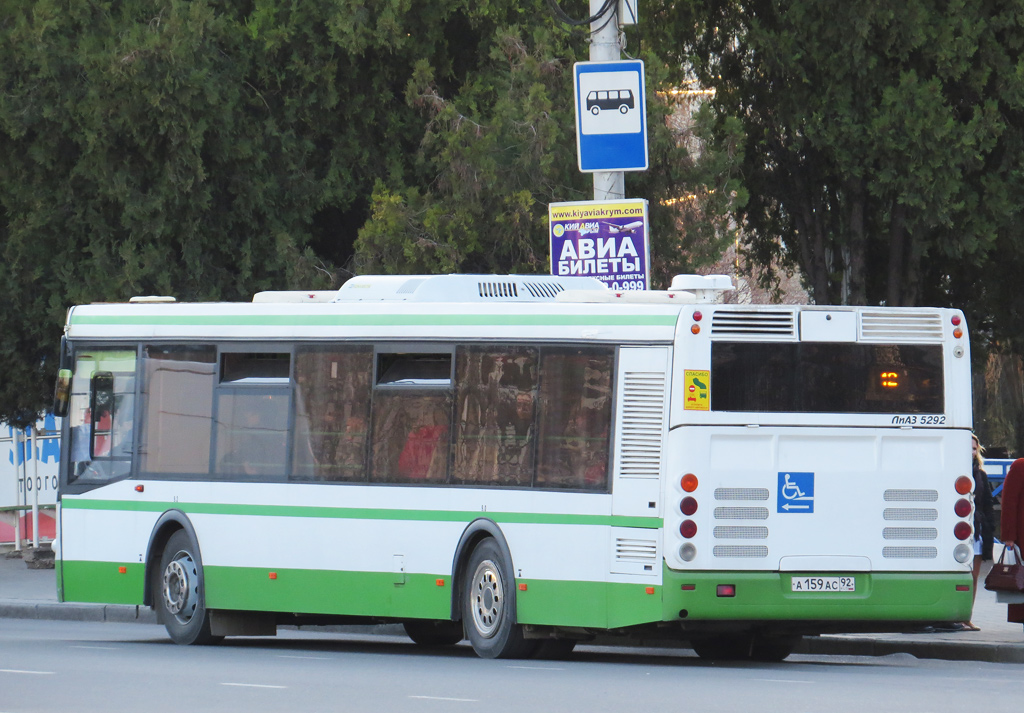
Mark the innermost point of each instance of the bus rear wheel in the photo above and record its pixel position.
(488, 610)
(723, 647)
(181, 597)
(773, 648)
(434, 633)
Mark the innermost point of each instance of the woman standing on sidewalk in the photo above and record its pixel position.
(1012, 529)
(984, 520)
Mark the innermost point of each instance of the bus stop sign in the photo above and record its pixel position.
(611, 116)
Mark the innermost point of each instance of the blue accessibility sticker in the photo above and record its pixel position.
(796, 492)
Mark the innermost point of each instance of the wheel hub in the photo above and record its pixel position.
(488, 599)
(180, 590)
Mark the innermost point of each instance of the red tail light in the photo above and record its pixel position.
(688, 506)
(688, 529)
(962, 507)
(962, 530)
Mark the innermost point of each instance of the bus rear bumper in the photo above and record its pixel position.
(770, 596)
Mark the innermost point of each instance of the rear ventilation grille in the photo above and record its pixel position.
(497, 289)
(911, 496)
(731, 324)
(919, 514)
(741, 533)
(629, 550)
(900, 327)
(741, 513)
(920, 553)
(741, 493)
(643, 424)
(543, 290)
(740, 551)
(910, 533)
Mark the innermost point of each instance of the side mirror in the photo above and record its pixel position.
(62, 393)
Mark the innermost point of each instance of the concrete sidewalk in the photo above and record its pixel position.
(32, 594)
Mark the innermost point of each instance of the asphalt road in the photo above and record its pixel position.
(110, 668)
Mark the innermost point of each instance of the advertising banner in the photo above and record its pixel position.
(603, 239)
(26, 472)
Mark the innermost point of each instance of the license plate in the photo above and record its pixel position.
(824, 584)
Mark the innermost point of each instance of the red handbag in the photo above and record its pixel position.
(1006, 577)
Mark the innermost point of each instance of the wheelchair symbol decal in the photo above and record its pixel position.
(796, 492)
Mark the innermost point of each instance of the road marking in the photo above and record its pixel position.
(252, 685)
(779, 680)
(99, 648)
(38, 673)
(305, 658)
(442, 698)
(537, 668)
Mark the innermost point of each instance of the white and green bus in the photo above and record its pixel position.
(522, 461)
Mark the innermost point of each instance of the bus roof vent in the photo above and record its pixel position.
(461, 288)
(542, 290)
(753, 324)
(900, 327)
(497, 289)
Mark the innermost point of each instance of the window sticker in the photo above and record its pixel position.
(697, 388)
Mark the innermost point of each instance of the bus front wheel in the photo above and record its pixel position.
(488, 614)
(180, 602)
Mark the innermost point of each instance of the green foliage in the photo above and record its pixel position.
(882, 140)
(211, 148)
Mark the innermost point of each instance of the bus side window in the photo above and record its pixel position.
(495, 430)
(575, 418)
(412, 413)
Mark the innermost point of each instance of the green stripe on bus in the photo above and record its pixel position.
(602, 605)
(379, 320)
(102, 582)
(361, 513)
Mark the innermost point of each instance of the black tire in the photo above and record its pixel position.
(554, 649)
(488, 606)
(434, 633)
(773, 648)
(180, 593)
(723, 647)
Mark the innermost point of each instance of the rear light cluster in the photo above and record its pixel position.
(688, 506)
(963, 508)
(958, 333)
(697, 317)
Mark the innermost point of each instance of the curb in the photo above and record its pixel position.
(120, 613)
(943, 650)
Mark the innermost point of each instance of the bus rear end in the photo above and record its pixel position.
(819, 470)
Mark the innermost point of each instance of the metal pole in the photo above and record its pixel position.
(17, 497)
(35, 489)
(604, 47)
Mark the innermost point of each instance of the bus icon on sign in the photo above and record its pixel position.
(610, 99)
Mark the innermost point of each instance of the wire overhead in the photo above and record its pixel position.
(607, 8)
